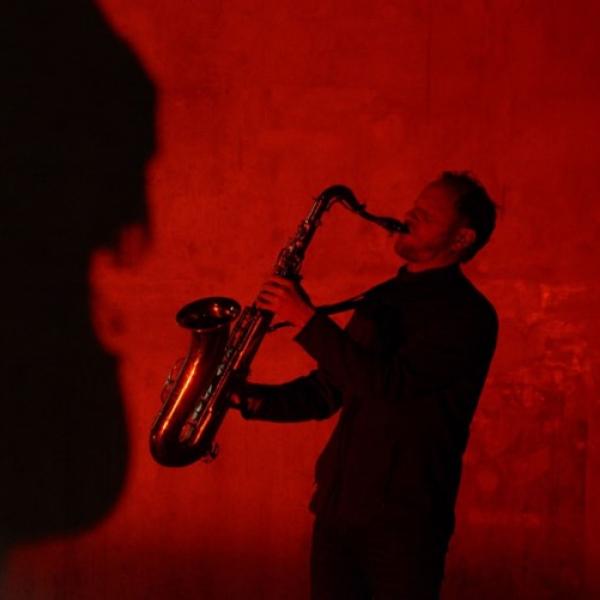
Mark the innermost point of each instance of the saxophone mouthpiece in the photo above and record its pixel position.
(395, 226)
(390, 224)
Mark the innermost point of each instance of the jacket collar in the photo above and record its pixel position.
(439, 275)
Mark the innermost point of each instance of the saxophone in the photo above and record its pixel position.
(196, 393)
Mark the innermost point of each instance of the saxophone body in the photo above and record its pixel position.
(224, 341)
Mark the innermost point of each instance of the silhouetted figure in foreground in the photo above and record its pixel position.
(76, 117)
(406, 375)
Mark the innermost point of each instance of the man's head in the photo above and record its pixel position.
(451, 220)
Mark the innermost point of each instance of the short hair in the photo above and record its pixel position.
(473, 204)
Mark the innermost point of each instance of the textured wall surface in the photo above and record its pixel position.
(257, 107)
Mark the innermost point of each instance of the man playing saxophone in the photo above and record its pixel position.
(405, 375)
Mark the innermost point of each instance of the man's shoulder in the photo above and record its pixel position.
(475, 302)
(449, 298)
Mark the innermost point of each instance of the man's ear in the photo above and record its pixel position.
(463, 238)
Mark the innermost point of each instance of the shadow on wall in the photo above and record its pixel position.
(77, 130)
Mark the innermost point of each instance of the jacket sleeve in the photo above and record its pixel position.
(309, 397)
(436, 359)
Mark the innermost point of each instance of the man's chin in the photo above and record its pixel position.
(404, 252)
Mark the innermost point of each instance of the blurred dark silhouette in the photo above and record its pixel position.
(76, 132)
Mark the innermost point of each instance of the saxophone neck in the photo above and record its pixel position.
(340, 193)
(346, 196)
(291, 256)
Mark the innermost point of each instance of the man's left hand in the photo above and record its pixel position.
(287, 299)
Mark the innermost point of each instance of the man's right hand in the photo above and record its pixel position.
(241, 399)
(237, 398)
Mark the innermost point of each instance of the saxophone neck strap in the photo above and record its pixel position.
(344, 305)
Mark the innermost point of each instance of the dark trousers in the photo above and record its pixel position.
(403, 560)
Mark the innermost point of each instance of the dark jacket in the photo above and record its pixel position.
(406, 375)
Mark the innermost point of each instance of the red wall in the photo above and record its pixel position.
(259, 106)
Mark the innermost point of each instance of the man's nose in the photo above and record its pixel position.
(410, 215)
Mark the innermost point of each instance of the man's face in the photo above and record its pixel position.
(434, 227)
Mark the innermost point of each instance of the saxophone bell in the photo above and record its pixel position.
(208, 321)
